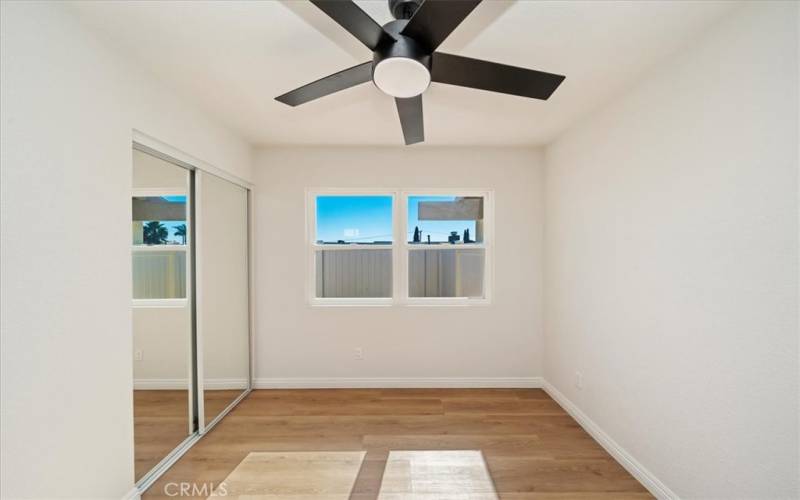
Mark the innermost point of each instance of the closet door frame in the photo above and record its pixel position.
(152, 146)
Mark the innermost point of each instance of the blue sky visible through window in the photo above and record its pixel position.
(368, 219)
(354, 219)
(439, 230)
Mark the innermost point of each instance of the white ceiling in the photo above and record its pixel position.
(233, 58)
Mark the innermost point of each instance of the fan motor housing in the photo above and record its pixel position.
(403, 47)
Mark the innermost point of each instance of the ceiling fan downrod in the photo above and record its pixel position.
(403, 9)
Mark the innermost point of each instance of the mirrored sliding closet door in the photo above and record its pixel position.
(191, 306)
(222, 294)
(162, 312)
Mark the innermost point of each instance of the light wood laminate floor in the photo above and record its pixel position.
(532, 448)
(161, 422)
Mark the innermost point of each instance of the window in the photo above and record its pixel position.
(434, 249)
(353, 241)
(446, 253)
(160, 236)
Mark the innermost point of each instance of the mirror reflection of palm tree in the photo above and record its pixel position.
(180, 230)
(155, 233)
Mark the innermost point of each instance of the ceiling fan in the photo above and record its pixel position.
(405, 60)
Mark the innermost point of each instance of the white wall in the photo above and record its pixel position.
(672, 272)
(69, 106)
(296, 341)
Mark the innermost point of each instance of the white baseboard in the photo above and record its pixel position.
(160, 384)
(132, 494)
(396, 382)
(637, 470)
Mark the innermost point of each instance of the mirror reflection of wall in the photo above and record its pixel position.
(223, 292)
(162, 329)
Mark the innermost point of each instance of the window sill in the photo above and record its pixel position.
(350, 302)
(446, 302)
(425, 302)
(159, 248)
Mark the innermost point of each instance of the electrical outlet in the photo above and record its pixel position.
(138, 355)
(579, 380)
(359, 353)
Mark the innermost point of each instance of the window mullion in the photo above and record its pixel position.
(401, 266)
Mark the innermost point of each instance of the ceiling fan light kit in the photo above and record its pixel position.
(405, 61)
(401, 68)
(401, 76)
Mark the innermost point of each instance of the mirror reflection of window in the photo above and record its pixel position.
(160, 237)
(159, 220)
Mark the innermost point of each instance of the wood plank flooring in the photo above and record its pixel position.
(160, 423)
(532, 448)
(216, 400)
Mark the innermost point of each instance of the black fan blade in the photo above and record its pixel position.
(344, 79)
(350, 17)
(434, 20)
(485, 75)
(410, 111)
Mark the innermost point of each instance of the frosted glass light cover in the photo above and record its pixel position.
(401, 77)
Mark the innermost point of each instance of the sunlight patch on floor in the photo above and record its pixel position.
(331, 475)
(439, 475)
(328, 475)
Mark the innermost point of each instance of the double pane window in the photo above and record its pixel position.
(398, 247)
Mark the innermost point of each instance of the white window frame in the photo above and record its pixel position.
(400, 247)
(179, 302)
(312, 247)
(487, 245)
